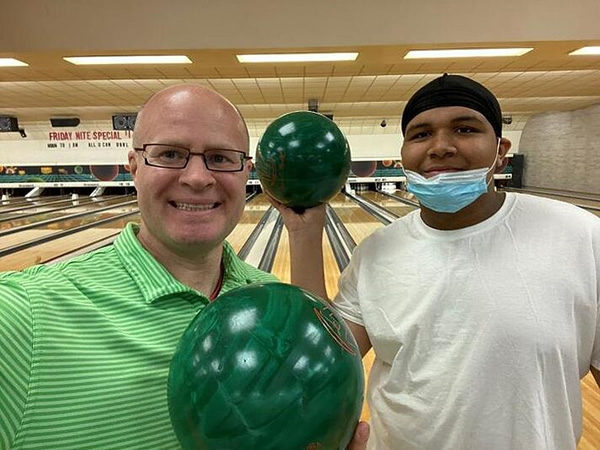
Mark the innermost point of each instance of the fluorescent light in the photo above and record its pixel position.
(297, 57)
(466, 53)
(11, 62)
(586, 51)
(138, 59)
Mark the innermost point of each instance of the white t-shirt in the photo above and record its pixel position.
(481, 334)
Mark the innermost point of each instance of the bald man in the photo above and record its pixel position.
(85, 345)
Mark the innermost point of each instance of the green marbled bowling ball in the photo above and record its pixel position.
(266, 366)
(303, 159)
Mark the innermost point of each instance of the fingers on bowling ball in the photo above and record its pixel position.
(266, 366)
(303, 159)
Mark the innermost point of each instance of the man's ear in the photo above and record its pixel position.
(503, 149)
(249, 165)
(133, 163)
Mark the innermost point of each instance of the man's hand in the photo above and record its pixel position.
(360, 438)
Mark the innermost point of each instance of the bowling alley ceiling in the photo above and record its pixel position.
(360, 93)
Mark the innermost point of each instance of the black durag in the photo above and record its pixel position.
(454, 90)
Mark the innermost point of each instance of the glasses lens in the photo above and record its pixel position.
(223, 160)
(167, 155)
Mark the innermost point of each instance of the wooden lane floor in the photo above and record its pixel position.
(389, 203)
(359, 222)
(77, 206)
(26, 235)
(590, 438)
(47, 251)
(53, 249)
(281, 265)
(13, 202)
(49, 203)
(253, 212)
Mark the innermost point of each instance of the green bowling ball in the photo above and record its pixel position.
(302, 159)
(266, 366)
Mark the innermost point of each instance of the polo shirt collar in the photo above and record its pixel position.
(154, 281)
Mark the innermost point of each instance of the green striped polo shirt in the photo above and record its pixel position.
(85, 348)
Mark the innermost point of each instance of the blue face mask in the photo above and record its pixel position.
(449, 192)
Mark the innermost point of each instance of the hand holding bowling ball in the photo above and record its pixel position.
(302, 159)
(267, 366)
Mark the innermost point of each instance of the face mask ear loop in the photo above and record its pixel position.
(493, 167)
(405, 177)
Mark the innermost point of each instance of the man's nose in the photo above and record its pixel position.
(442, 145)
(195, 174)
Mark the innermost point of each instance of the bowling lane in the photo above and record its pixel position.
(58, 247)
(360, 223)
(389, 203)
(332, 271)
(405, 194)
(253, 212)
(14, 202)
(16, 220)
(281, 265)
(12, 209)
(575, 201)
(559, 193)
(590, 199)
(26, 235)
(53, 249)
(590, 438)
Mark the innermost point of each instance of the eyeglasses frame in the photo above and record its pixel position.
(190, 153)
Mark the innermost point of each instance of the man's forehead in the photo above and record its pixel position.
(195, 135)
(185, 101)
(450, 114)
(183, 110)
(191, 115)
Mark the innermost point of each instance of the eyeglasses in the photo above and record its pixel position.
(173, 157)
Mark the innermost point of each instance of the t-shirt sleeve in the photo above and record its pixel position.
(16, 342)
(347, 301)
